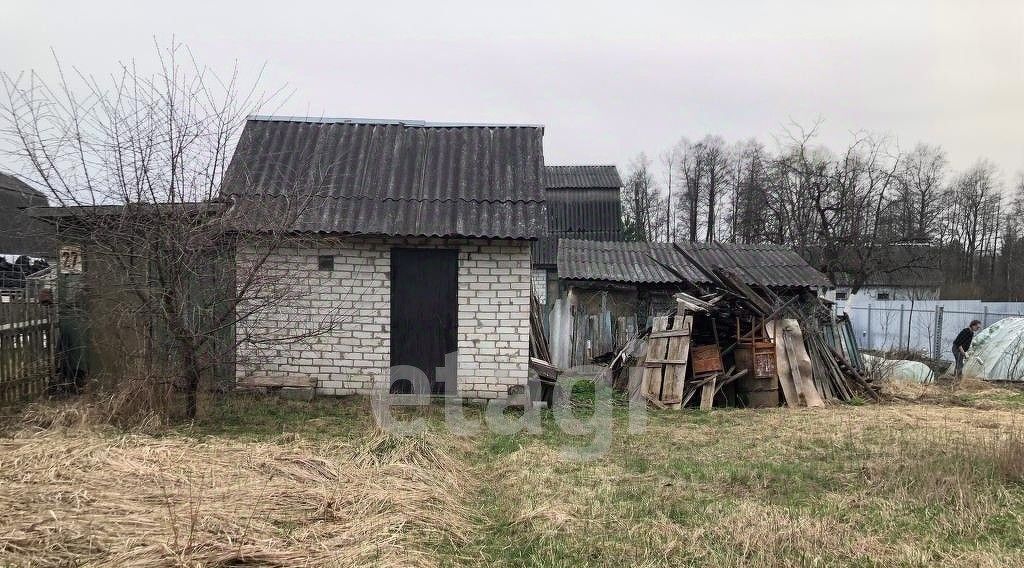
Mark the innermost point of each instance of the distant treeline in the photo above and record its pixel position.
(844, 210)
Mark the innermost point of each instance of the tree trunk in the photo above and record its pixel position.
(191, 373)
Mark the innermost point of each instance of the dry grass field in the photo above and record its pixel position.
(931, 478)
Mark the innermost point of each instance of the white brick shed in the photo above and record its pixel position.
(417, 243)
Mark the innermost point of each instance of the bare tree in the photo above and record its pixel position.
(749, 214)
(691, 165)
(974, 200)
(669, 161)
(921, 180)
(866, 210)
(1011, 277)
(717, 172)
(641, 203)
(136, 163)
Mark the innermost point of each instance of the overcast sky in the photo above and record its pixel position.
(608, 80)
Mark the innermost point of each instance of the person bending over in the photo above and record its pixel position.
(961, 345)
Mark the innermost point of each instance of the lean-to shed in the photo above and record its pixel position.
(609, 289)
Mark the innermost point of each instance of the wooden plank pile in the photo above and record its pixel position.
(674, 370)
(540, 354)
(775, 349)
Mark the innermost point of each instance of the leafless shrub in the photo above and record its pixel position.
(137, 162)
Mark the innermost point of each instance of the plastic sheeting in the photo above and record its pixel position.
(899, 369)
(997, 352)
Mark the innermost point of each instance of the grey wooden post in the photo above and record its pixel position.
(870, 331)
(937, 347)
(899, 335)
(984, 316)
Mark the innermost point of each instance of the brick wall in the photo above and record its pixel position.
(347, 312)
(540, 285)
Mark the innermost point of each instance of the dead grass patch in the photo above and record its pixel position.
(76, 498)
(898, 484)
(970, 392)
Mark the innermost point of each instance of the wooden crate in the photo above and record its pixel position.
(706, 359)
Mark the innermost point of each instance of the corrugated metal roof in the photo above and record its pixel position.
(576, 211)
(762, 264)
(389, 177)
(765, 265)
(390, 217)
(568, 177)
(617, 261)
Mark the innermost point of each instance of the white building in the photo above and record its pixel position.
(416, 235)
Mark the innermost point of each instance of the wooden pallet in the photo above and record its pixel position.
(664, 370)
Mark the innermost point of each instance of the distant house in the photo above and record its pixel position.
(609, 290)
(21, 234)
(899, 284)
(419, 232)
(583, 202)
(25, 243)
(897, 272)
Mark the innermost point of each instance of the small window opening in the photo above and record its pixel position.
(882, 296)
(326, 262)
(842, 296)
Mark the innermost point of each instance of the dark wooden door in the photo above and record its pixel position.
(424, 313)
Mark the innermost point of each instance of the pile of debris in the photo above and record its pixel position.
(730, 344)
(738, 346)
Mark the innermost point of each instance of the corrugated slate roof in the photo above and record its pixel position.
(389, 177)
(577, 211)
(618, 261)
(585, 177)
(764, 265)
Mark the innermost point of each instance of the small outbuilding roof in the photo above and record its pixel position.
(641, 263)
(761, 264)
(582, 203)
(619, 261)
(582, 177)
(415, 178)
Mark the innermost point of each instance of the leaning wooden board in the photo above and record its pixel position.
(657, 349)
(794, 364)
(675, 370)
(782, 365)
(664, 370)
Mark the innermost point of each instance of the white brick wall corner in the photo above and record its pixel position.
(494, 282)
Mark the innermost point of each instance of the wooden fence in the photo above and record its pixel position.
(26, 350)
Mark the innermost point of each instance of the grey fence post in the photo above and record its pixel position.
(870, 331)
(984, 316)
(936, 349)
(899, 336)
